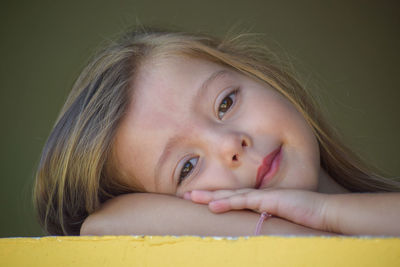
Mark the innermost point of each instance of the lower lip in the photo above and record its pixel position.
(273, 170)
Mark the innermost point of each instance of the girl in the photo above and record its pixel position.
(165, 114)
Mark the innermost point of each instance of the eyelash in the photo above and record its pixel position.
(221, 114)
(181, 177)
(192, 166)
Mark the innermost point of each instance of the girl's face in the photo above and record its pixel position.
(193, 124)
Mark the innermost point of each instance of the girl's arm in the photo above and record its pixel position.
(365, 213)
(348, 214)
(154, 214)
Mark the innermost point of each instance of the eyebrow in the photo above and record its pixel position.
(206, 84)
(172, 141)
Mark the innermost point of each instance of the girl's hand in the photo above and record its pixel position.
(158, 214)
(302, 207)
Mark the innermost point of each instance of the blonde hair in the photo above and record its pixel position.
(72, 178)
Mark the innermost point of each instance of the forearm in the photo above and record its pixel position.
(364, 214)
(148, 214)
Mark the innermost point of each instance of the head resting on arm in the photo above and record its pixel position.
(77, 173)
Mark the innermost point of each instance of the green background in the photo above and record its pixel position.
(347, 50)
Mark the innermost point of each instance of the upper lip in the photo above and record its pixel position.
(265, 166)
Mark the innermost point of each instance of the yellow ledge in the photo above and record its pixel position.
(199, 251)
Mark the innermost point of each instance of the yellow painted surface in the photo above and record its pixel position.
(198, 251)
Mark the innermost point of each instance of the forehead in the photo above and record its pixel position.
(169, 78)
(163, 92)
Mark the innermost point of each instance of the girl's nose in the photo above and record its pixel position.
(230, 147)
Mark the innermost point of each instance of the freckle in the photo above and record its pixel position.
(160, 121)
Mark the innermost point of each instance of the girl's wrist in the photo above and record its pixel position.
(330, 213)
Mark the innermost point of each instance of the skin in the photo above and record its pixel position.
(225, 150)
(348, 214)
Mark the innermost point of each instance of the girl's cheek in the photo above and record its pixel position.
(214, 177)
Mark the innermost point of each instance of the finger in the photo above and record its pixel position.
(204, 197)
(248, 200)
(302, 207)
(187, 195)
(220, 206)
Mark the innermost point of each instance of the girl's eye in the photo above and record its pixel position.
(187, 168)
(226, 104)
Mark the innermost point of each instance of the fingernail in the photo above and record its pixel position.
(216, 206)
(187, 196)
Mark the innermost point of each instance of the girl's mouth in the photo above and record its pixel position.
(268, 167)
